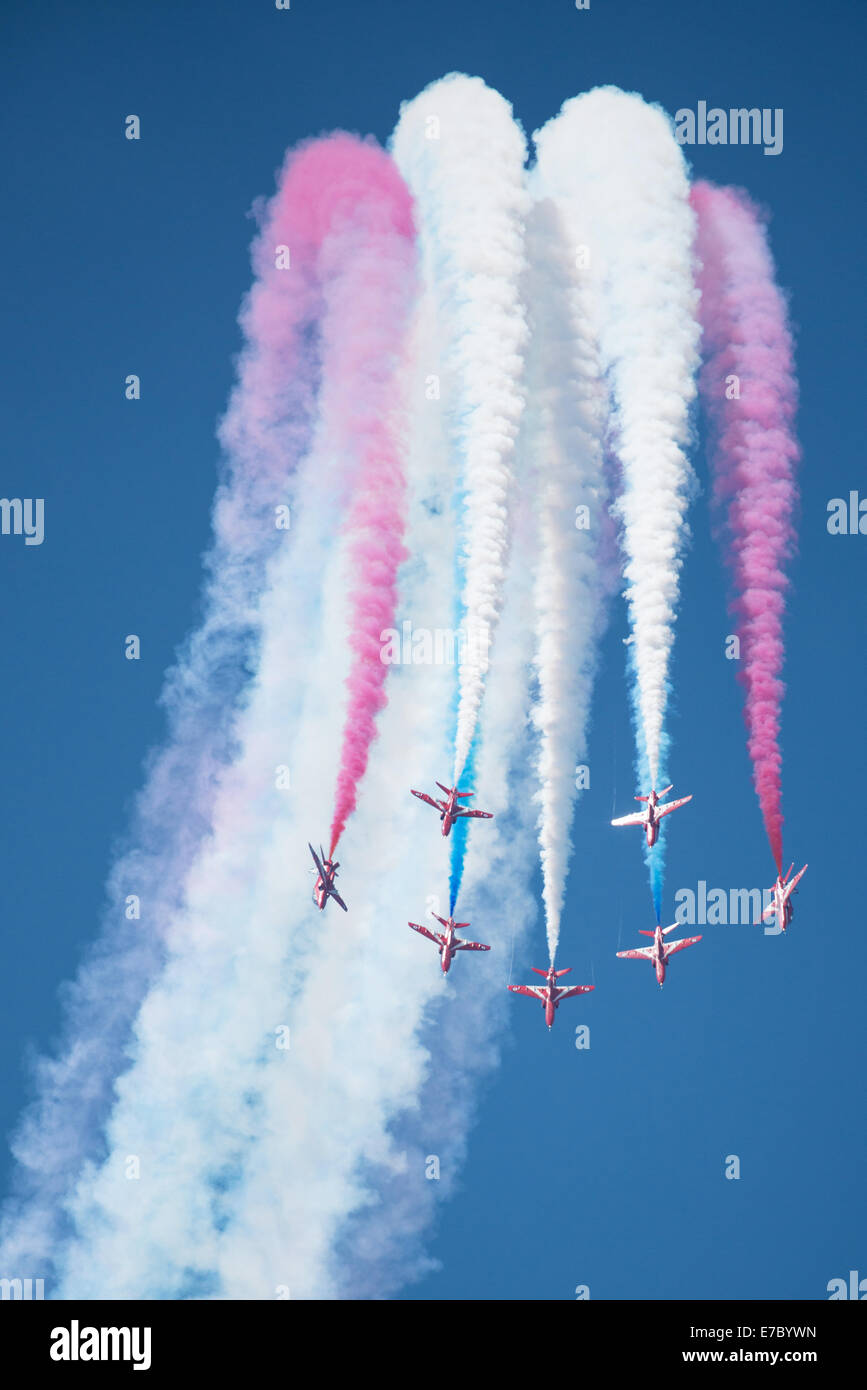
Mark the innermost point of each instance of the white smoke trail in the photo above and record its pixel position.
(462, 155)
(237, 1167)
(564, 439)
(62, 1129)
(623, 166)
(302, 1168)
(382, 1246)
(252, 1157)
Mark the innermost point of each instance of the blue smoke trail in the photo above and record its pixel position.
(460, 831)
(654, 857)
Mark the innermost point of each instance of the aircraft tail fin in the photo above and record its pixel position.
(558, 973)
(537, 971)
(642, 932)
(443, 789)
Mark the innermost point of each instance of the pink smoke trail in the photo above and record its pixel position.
(369, 297)
(747, 336)
(336, 277)
(336, 266)
(337, 200)
(340, 210)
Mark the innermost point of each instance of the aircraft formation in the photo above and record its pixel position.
(551, 995)
(752, 452)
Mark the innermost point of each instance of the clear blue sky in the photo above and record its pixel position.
(602, 1167)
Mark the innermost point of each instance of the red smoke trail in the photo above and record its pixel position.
(370, 299)
(336, 278)
(375, 554)
(339, 202)
(746, 335)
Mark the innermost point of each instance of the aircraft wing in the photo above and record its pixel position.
(635, 818)
(796, 879)
(672, 805)
(423, 796)
(337, 898)
(473, 946)
(641, 953)
(480, 815)
(316, 861)
(575, 989)
(680, 945)
(529, 990)
(769, 912)
(431, 936)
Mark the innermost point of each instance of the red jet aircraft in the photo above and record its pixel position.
(781, 905)
(448, 942)
(324, 886)
(449, 809)
(652, 816)
(550, 994)
(660, 951)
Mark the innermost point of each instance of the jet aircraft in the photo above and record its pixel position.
(324, 887)
(658, 954)
(781, 905)
(448, 942)
(550, 994)
(653, 813)
(450, 810)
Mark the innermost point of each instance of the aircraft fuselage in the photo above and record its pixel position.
(448, 815)
(447, 952)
